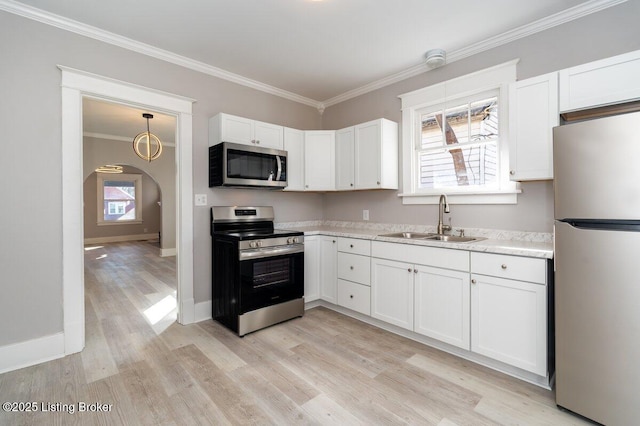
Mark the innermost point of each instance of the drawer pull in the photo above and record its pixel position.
(351, 267)
(409, 270)
(473, 281)
(415, 271)
(504, 266)
(351, 297)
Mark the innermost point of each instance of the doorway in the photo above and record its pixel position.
(76, 86)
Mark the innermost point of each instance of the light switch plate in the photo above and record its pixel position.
(201, 199)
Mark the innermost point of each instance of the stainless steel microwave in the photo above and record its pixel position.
(232, 164)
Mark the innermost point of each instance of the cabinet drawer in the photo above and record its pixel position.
(421, 255)
(354, 296)
(511, 267)
(355, 246)
(354, 267)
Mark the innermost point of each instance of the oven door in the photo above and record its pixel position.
(268, 281)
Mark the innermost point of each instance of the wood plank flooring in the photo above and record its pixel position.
(324, 368)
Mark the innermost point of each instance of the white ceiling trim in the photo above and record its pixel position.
(560, 18)
(58, 21)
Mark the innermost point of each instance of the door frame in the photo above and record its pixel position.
(76, 85)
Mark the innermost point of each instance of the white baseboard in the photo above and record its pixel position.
(203, 311)
(31, 352)
(168, 252)
(121, 238)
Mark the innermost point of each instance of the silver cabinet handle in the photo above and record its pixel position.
(351, 297)
(512, 172)
(351, 245)
(415, 271)
(409, 270)
(351, 267)
(504, 266)
(473, 281)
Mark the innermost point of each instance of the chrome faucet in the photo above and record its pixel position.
(443, 207)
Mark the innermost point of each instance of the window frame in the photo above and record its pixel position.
(449, 94)
(124, 177)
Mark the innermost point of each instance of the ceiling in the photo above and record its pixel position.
(315, 50)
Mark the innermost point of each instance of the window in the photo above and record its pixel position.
(119, 199)
(454, 140)
(458, 146)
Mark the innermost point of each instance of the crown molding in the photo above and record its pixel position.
(58, 21)
(559, 18)
(76, 27)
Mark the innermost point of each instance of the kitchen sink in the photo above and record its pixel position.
(411, 235)
(453, 238)
(432, 237)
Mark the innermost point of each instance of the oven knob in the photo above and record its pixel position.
(253, 244)
(259, 243)
(296, 239)
(290, 241)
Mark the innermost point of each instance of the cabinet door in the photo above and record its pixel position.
(328, 269)
(311, 269)
(533, 112)
(608, 81)
(268, 135)
(319, 160)
(442, 305)
(345, 158)
(294, 145)
(509, 322)
(392, 292)
(236, 129)
(367, 152)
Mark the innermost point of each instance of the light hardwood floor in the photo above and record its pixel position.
(324, 368)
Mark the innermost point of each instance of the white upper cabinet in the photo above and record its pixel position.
(230, 128)
(294, 145)
(345, 151)
(533, 112)
(319, 160)
(608, 81)
(376, 155)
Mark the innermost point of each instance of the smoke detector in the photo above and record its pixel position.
(435, 58)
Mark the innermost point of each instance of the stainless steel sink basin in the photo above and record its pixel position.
(432, 237)
(412, 235)
(453, 238)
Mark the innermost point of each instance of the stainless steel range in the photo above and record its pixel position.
(258, 271)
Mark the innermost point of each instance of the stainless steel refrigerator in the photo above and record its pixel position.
(597, 268)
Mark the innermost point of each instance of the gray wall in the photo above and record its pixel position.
(30, 119)
(150, 197)
(97, 152)
(608, 33)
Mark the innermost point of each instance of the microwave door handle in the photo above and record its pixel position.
(279, 168)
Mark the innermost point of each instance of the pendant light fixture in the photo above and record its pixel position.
(152, 147)
(109, 168)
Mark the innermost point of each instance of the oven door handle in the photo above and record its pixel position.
(261, 253)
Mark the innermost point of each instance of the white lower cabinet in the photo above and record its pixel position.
(392, 292)
(328, 251)
(442, 305)
(311, 268)
(508, 316)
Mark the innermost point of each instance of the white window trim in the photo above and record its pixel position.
(137, 179)
(497, 77)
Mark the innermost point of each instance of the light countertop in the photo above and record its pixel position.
(514, 247)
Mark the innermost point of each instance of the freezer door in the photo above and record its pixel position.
(596, 170)
(597, 313)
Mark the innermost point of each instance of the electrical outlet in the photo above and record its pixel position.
(365, 214)
(201, 199)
